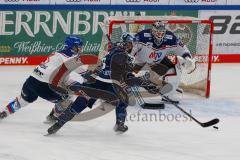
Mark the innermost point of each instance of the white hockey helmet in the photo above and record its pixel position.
(158, 31)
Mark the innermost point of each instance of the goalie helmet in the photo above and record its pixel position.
(73, 45)
(158, 31)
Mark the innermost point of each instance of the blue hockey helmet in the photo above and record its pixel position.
(73, 41)
(73, 45)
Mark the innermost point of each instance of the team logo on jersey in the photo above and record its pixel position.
(133, 0)
(182, 31)
(155, 55)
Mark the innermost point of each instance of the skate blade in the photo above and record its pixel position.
(49, 122)
(119, 132)
(49, 134)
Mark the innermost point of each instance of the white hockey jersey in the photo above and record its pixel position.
(57, 68)
(146, 51)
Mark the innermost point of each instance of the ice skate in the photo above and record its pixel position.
(54, 128)
(50, 119)
(120, 127)
(3, 114)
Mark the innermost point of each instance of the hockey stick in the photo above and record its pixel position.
(205, 124)
(166, 89)
(138, 96)
(142, 103)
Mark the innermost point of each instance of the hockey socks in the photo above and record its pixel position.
(13, 106)
(78, 106)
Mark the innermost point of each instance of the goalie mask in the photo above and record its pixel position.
(127, 42)
(158, 32)
(73, 45)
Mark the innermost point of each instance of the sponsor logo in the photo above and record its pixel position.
(11, 0)
(209, 0)
(21, 0)
(151, 1)
(13, 60)
(169, 37)
(133, 1)
(147, 35)
(196, 1)
(5, 48)
(73, 0)
(83, 0)
(191, 1)
(155, 56)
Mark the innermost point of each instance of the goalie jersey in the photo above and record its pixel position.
(147, 51)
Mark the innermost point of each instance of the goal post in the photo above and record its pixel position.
(194, 32)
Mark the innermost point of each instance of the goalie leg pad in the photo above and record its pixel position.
(173, 78)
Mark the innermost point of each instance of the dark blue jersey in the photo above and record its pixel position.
(107, 61)
(146, 37)
(117, 67)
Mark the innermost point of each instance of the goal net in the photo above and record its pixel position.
(195, 33)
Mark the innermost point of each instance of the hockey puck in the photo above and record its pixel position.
(215, 127)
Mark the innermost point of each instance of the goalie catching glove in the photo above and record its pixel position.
(188, 63)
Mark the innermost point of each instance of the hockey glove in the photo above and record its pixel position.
(188, 63)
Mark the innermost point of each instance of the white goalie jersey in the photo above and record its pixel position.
(147, 51)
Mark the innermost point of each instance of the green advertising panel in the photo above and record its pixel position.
(38, 33)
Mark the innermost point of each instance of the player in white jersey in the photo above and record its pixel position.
(152, 47)
(49, 79)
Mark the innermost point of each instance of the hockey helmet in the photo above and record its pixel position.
(158, 31)
(74, 43)
(126, 37)
(127, 41)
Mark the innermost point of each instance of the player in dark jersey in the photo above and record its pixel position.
(115, 77)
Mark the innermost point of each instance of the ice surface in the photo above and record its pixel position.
(151, 135)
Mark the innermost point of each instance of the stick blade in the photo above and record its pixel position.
(153, 106)
(210, 123)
